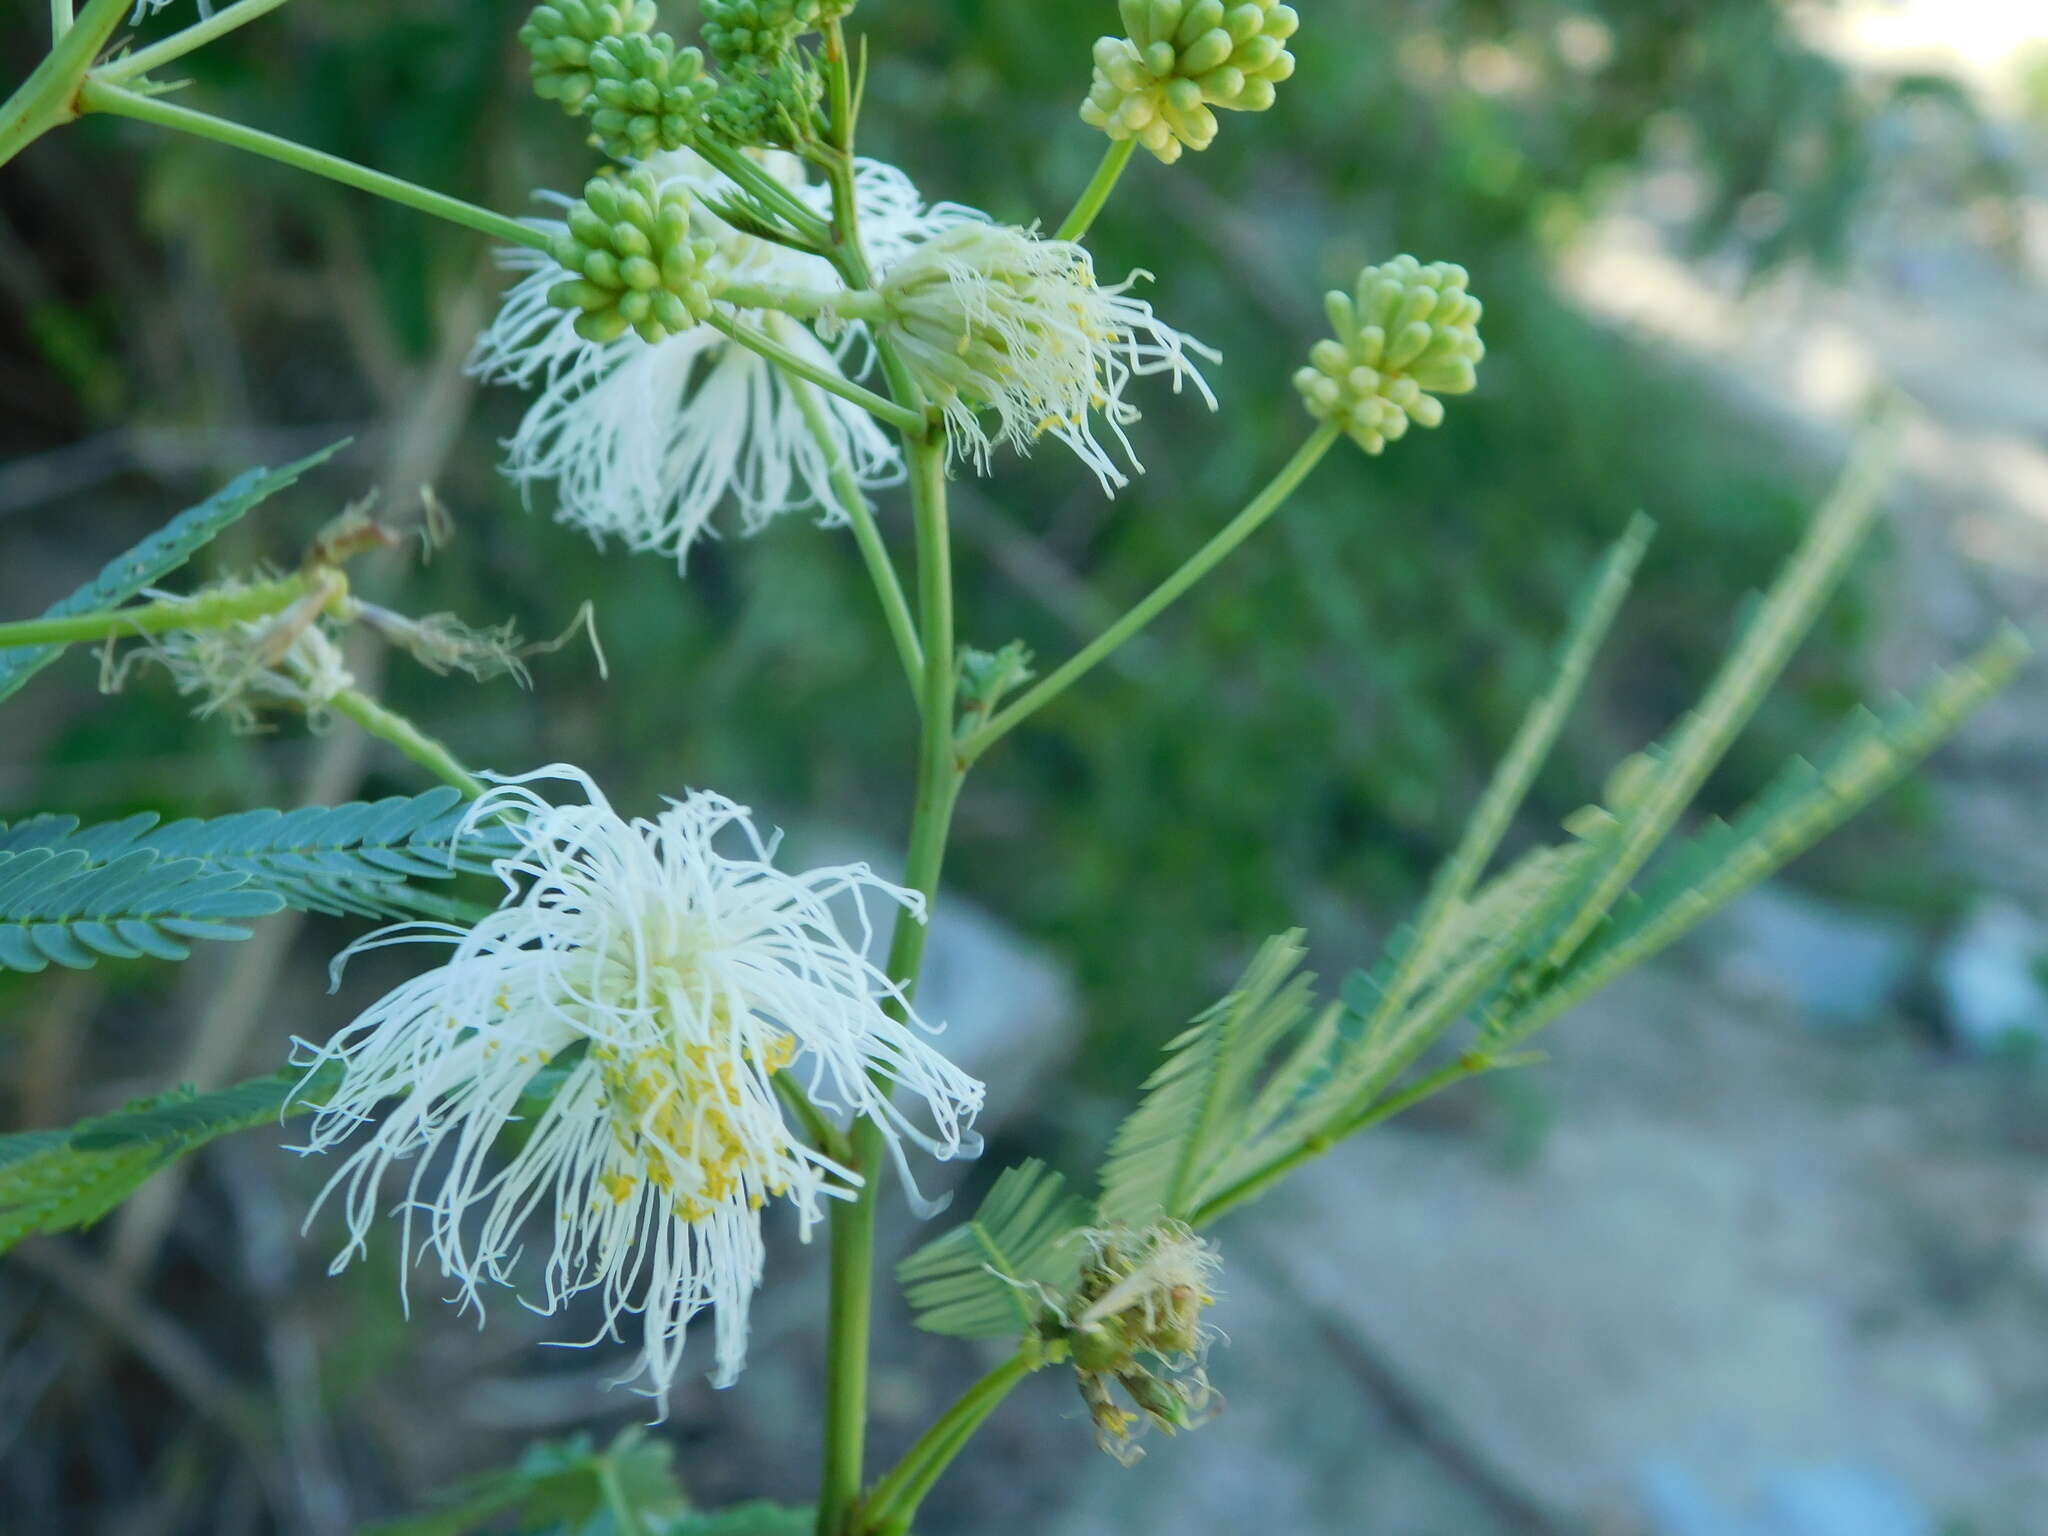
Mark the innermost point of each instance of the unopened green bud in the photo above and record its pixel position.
(1178, 60)
(636, 265)
(766, 102)
(1407, 334)
(648, 96)
(762, 29)
(561, 34)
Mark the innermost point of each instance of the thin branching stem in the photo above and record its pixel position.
(211, 610)
(1161, 597)
(1082, 217)
(388, 725)
(894, 1502)
(874, 553)
(178, 44)
(98, 96)
(821, 374)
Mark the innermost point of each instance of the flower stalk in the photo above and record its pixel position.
(48, 98)
(894, 1502)
(390, 726)
(96, 95)
(1082, 217)
(213, 610)
(1204, 560)
(184, 41)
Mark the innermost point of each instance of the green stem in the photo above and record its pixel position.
(873, 552)
(838, 86)
(178, 44)
(97, 96)
(766, 190)
(60, 19)
(408, 738)
(893, 1504)
(823, 375)
(938, 785)
(825, 1136)
(805, 303)
(213, 610)
(1254, 1184)
(1205, 559)
(1096, 193)
(48, 97)
(625, 1514)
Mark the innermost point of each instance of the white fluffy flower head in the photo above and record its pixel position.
(649, 977)
(644, 442)
(995, 318)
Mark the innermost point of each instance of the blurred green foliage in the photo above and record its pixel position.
(1297, 741)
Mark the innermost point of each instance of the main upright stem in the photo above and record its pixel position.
(938, 783)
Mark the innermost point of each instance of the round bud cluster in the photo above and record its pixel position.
(635, 264)
(1180, 59)
(648, 97)
(1408, 334)
(560, 35)
(760, 29)
(766, 101)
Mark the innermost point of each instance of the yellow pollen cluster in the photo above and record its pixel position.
(675, 1115)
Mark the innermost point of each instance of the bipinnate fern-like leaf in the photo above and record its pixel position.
(155, 558)
(61, 905)
(1557, 924)
(1167, 1153)
(1807, 800)
(988, 1277)
(73, 894)
(57, 1180)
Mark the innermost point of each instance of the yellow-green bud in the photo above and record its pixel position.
(560, 35)
(648, 97)
(637, 267)
(1408, 334)
(1181, 58)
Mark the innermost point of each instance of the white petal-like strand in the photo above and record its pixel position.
(633, 998)
(999, 322)
(645, 442)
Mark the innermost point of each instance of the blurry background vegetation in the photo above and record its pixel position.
(1295, 744)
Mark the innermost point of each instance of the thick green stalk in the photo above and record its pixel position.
(48, 97)
(1096, 193)
(873, 552)
(1204, 560)
(178, 44)
(823, 375)
(212, 610)
(97, 96)
(408, 738)
(938, 784)
(893, 1504)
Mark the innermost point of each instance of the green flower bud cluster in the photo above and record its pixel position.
(560, 35)
(760, 29)
(648, 96)
(766, 100)
(636, 265)
(1408, 334)
(1180, 59)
